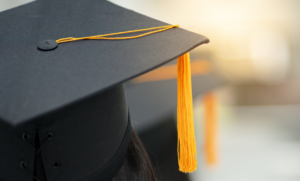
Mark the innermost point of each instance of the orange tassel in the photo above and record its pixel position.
(210, 129)
(186, 144)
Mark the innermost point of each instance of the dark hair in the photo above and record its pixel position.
(137, 165)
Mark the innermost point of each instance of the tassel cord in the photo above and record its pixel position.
(104, 36)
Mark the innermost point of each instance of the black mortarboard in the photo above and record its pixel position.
(67, 106)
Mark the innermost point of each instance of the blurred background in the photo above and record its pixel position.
(254, 49)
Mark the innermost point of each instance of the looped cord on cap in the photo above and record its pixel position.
(104, 37)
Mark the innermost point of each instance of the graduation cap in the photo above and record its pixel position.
(62, 100)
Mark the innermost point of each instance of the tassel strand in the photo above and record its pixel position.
(186, 143)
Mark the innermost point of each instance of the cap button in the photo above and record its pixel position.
(47, 45)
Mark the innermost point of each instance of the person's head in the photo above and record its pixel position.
(137, 165)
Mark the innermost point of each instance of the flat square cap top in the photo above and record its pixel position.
(34, 82)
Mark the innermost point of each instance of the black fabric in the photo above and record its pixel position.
(86, 139)
(112, 167)
(86, 135)
(35, 82)
(14, 150)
